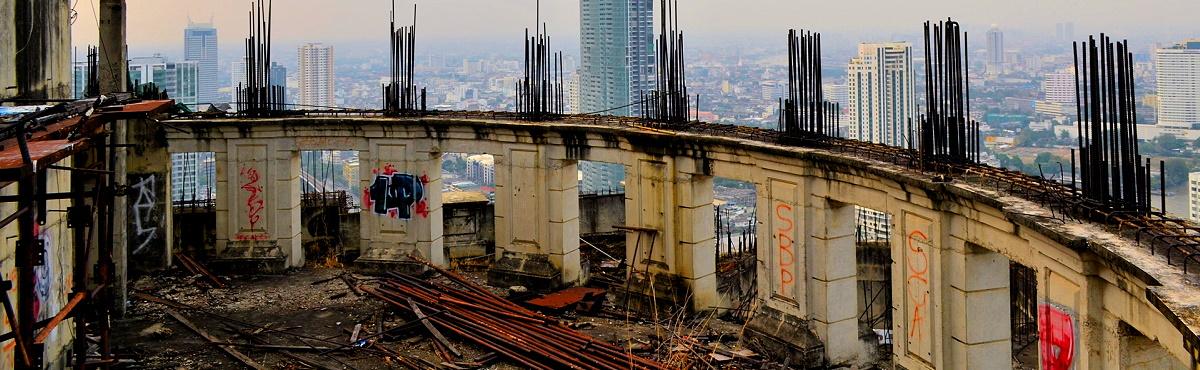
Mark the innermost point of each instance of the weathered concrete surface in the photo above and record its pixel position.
(599, 213)
(949, 239)
(35, 49)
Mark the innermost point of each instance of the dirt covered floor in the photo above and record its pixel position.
(312, 318)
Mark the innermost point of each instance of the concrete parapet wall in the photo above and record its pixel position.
(951, 242)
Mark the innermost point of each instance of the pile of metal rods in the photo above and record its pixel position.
(946, 132)
(805, 112)
(474, 314)
(259, 96)
(401, 95)
(669, 102)
(1112, 170)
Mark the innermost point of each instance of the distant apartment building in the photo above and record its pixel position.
(616, 41)
(1178, 80)
(1059, 87)
(180, 80)
(879, 89)
(1194, 196)
(836, 93)
(481, 169)
(995, 50)
(573, 94)
(200, 46)
(316, 76)
(237, 77)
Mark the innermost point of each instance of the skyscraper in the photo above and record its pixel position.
(1178, 79)
(879, 88)
(180, 80)
(237, 76)
(1064, 32)
(995, 48)
(200, 46)
(616, 39)
(316, 76)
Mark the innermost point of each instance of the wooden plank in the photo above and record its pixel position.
(432, 330)
(232, 352)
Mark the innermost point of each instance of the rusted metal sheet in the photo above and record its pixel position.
(582, 298)
(43, 154)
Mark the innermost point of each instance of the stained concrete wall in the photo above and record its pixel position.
(952, 242)
(35, 49)
(599, 213)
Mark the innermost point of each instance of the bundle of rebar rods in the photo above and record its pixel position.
(669, 102)
(401, 97)
(258, 96)
(1112, 170)
(474, 314)
(92, 84)
(805, 112)
(946, 132)
(541, 94)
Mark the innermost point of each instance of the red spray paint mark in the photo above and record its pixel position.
(918, 271)
(1056, 332)
(254, 202)
(784, 242)
(423, 209)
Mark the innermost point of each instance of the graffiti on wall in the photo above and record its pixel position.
(253, 189)
(1056, 337)
(917, 282)
(145, 215)
(784, 243)
(396, 195)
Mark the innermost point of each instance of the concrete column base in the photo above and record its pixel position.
(256, 255)
(533, 271)
(785, 338)
(666, 293)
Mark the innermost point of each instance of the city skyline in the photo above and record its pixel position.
(484, 22)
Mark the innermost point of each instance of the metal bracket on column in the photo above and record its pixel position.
(37, 246)
(79, 216)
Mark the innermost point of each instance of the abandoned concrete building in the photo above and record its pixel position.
(969, 266)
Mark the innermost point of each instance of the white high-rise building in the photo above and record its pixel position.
(200, 46)
(316, 76)
(1178, 79)
(879, 89)
(573, 94)
(1059, 87)
(616, 39)
(1194, 196)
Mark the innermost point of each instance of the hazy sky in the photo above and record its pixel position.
(159, 23)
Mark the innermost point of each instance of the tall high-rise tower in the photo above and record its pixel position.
(1178, 79)
(995, 48)
(316, 76)
(879, 89)
(616, 39)
(200, 46)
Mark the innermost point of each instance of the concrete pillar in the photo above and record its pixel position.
(832, 282)
(148, 175)
(258, 204)
(402, 205)
(114, 68)
(537, 219)
(695, 237)
(979, 307)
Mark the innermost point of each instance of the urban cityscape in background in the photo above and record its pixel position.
(1022, 90)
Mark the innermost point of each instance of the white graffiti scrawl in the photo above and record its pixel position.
(145, 227)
